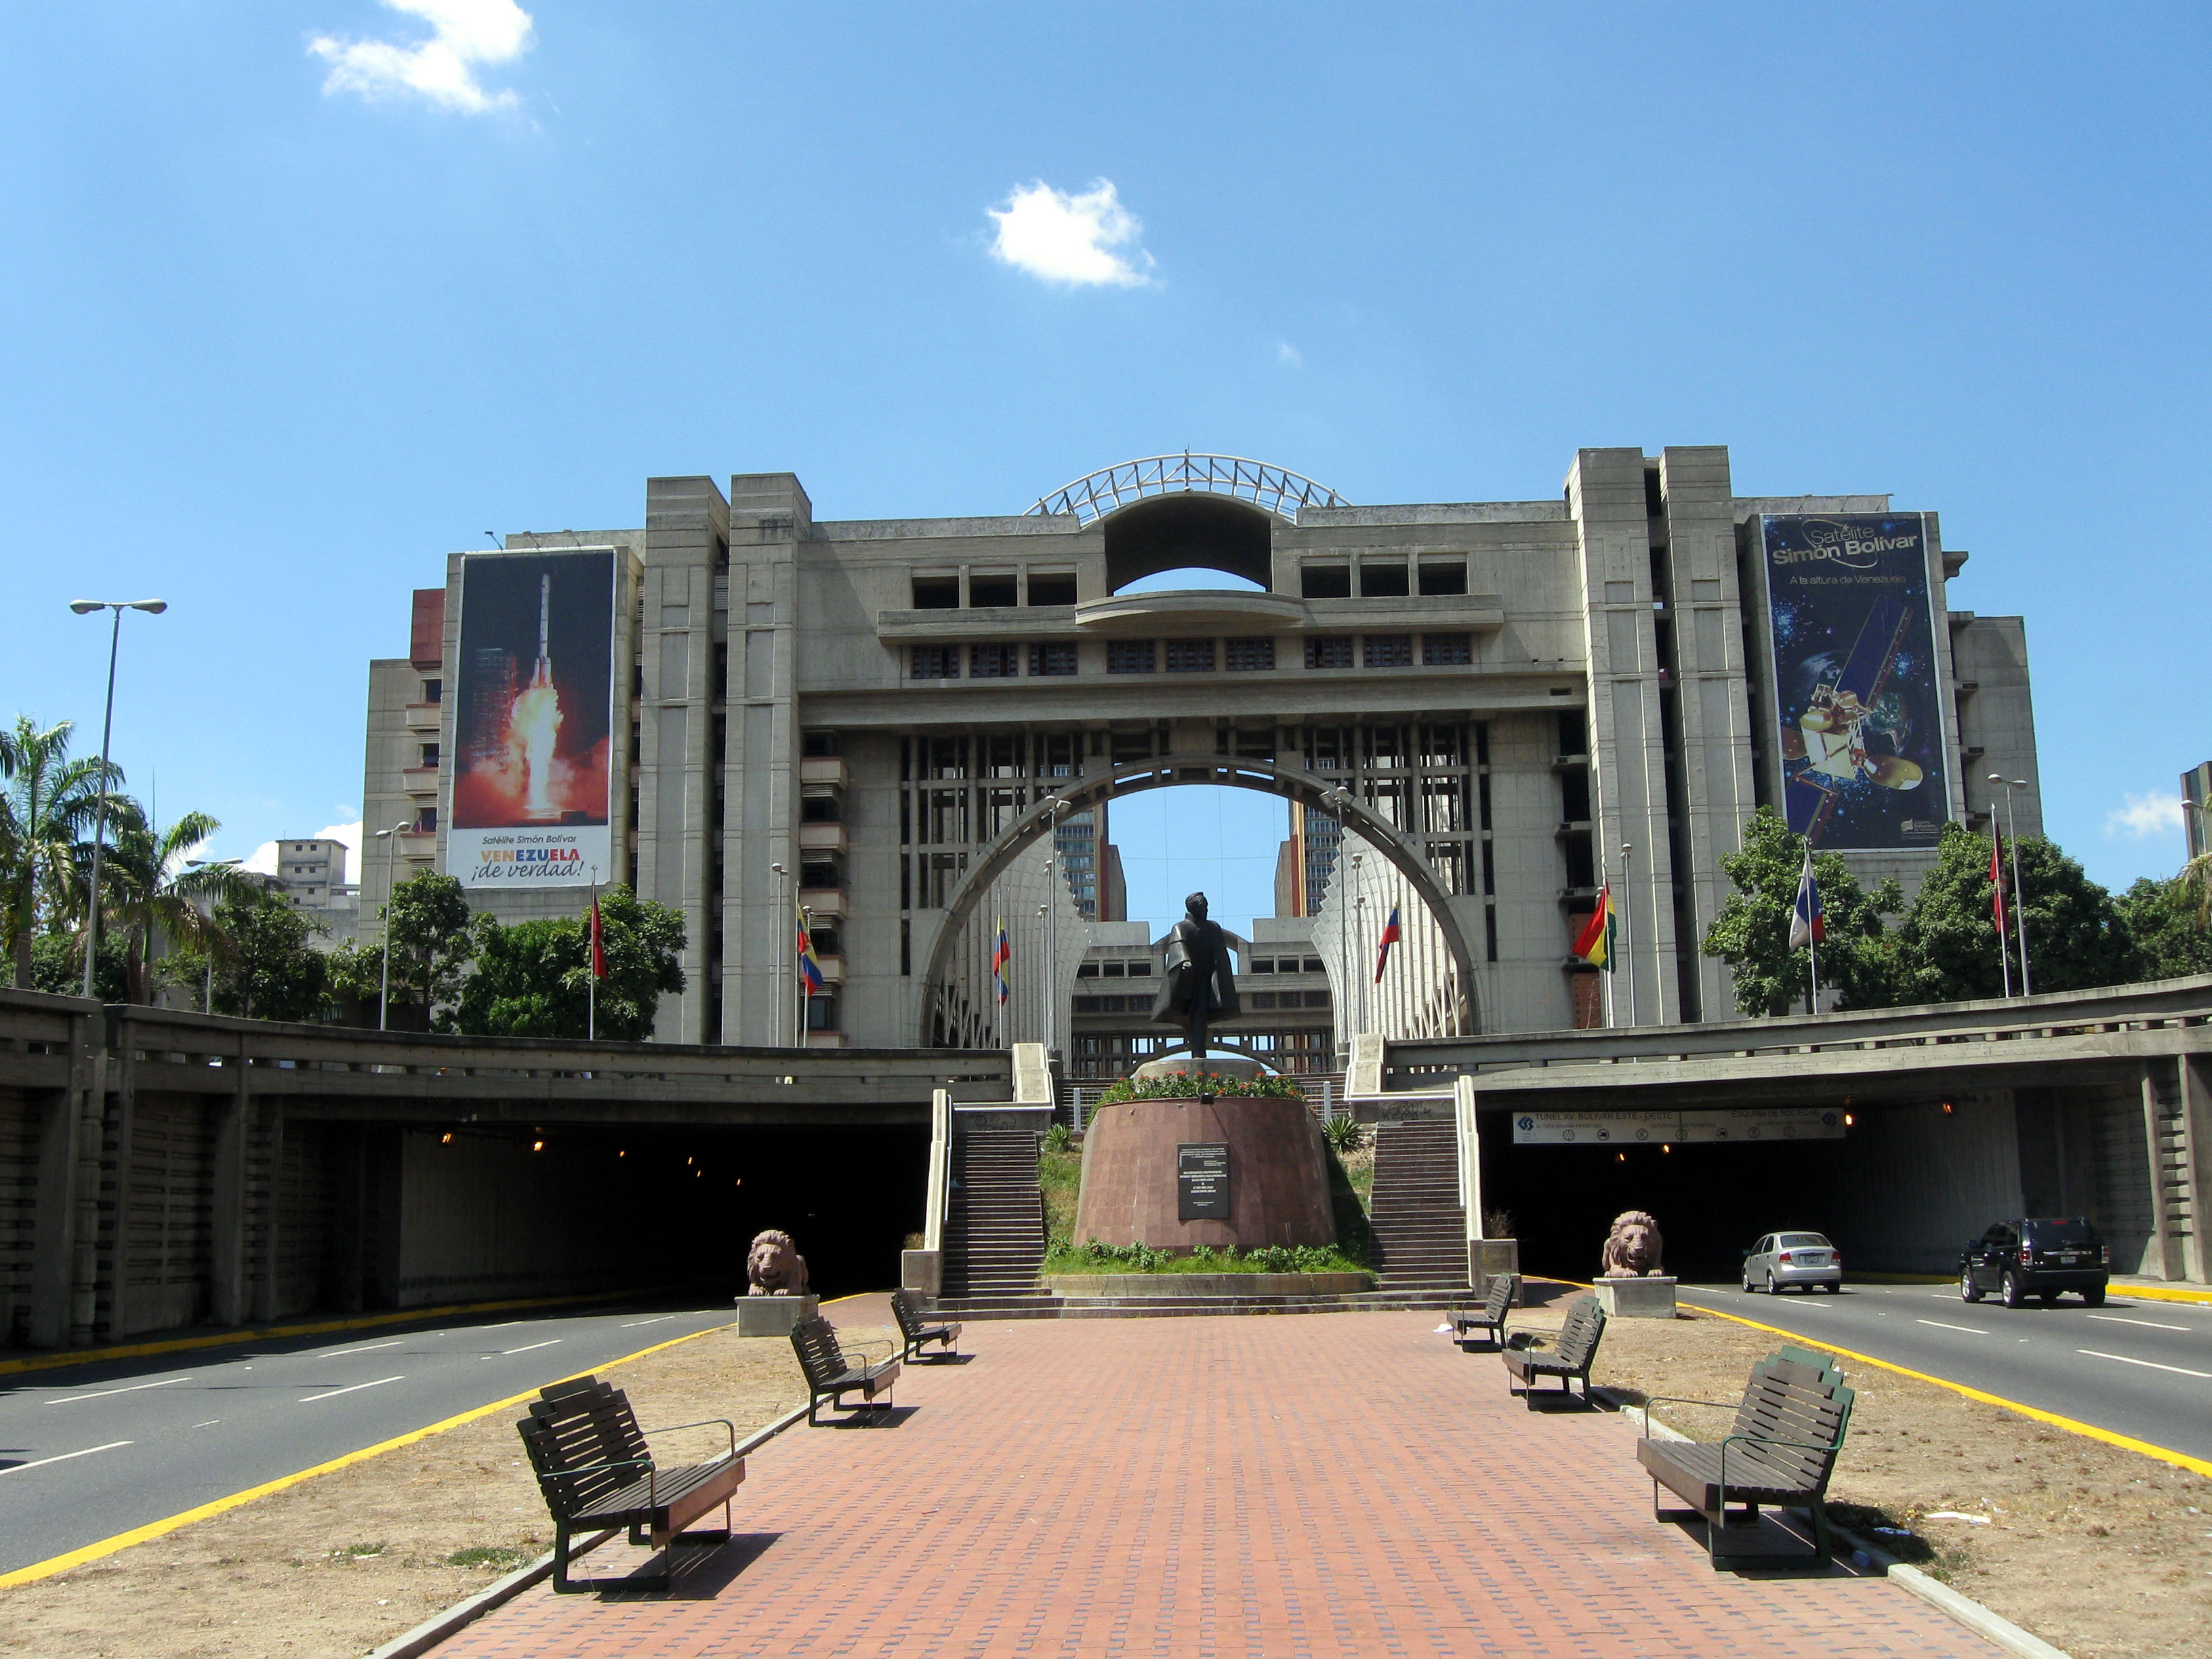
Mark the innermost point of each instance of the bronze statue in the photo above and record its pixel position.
(1198, 987)
(1631, 1249)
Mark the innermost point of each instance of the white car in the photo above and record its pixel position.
(1780, 1261)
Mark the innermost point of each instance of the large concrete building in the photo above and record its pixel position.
(881, 717)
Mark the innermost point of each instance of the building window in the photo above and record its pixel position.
(1051, 658)
(1446, 650)
(426, 820)
(936, 662)
(1389, 650)
(1132, 657)
(429, 754)
(817, 742)
(993, 588)
(821, 1012)
(1329, 650)
(1443, 576)
(819, 809)
(434, 690)
(1248, 656)
(940, 593)
(1190, 656)
(1315, 999)
(994, 662)
(1052, 587)
(1325, 581)
(1381, 581)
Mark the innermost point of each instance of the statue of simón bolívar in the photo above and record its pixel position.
(1199, 987)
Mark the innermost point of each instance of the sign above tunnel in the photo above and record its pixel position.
(1656, 1128)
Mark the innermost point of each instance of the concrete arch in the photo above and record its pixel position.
(1293, 783)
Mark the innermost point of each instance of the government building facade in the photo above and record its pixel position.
(890, 732)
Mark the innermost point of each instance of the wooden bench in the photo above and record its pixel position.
(831, 1373)
(1780, 1450)
(916, 1328)
(1489, 1318)
(595, 1468)
(1570, 1354)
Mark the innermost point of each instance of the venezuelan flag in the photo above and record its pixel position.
(1594, 945)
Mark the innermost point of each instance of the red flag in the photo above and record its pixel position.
(1996, 879)
(598, 942)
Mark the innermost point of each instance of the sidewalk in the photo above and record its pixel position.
(1342, 1484)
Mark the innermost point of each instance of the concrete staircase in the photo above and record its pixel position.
(994, 1232)
(1414, 1213)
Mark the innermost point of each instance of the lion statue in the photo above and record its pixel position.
(775, 1267)
(1631, 1249)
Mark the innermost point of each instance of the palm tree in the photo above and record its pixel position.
(44, 813)
(154, 896)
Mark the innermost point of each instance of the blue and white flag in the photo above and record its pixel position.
(1808, 926)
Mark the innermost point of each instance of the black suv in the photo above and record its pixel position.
(2037, 1257)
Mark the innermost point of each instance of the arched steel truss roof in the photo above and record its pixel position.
(1270, 487)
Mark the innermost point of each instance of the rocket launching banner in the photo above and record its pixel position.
(1862, 719)
(533, 720)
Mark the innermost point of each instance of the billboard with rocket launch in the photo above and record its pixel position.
(533, 720)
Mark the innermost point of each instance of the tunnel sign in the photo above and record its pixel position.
(1202, 1180)
(1752, 1123)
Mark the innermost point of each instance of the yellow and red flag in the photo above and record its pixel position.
(1595, 944)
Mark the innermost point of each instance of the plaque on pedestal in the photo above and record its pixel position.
(1202, 1180)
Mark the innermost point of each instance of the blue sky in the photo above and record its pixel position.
(302, 297)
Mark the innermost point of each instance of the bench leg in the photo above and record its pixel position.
(561, 1584)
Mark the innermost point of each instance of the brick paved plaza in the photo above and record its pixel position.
(1335, 1485)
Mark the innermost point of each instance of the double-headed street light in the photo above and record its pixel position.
(85, 608)
(391, 838)
(2018, 902)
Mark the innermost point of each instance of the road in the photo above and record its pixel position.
(2134, 1366)
(88, 1451)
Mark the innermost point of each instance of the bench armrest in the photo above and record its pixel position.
(1651, 1399)
(1523, 1340)
(704, 1423)
(1837, 1444)
(889, 1348)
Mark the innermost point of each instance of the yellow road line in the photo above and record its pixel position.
(2182, 1460)
(47, 1362)
(2164, 1293)
(122, 1540)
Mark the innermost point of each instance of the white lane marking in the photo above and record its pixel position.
(1939, 1325)
(210, 1424)
(102, 1394)
(41, 1462)
(2152, 1364)
(2152, 1324)
(635, 1323)
(340, 1353)
(309, 1398)
(502, 1325)
(525, 1348)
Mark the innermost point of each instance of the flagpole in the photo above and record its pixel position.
(1628, 892)
(590, 962)
(804, 1005)
(2003, 910)
(1811, 939)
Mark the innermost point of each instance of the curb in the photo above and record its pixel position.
(431, 1631)
(47, 1362)
(1991, 1626)
(2165, 1293)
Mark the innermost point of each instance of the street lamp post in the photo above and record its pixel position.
(1627, 852)
(85, 607)
(1060, 809)
(775, 973)
(2019, 900)
(391, 838)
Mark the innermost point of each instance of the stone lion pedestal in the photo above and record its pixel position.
(774, 1315)
(1253, 1164)
(1651, 1297)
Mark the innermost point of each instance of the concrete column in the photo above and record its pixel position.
(226, 1271)
(264, 1180)
(2164, 1256)
(2197, 1148)
(1605, 499)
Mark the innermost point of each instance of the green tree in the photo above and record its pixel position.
(152, 897)
(46, 815)
(262, 952)
(58, 968)
(432, 941)
(1947, 943)
(1752, 932)
(533, 978)
(2166, 922)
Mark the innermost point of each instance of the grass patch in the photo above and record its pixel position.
(1060, 1178)
(493, 1557)
(1063, 1257)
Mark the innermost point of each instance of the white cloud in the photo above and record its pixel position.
(262, 858)
(1072, 238)
(443, 69)
(2155, 814)
(1289, 355)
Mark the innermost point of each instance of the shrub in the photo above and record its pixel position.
(1184, 1085)
(1345, 1134)
(1057, 1138)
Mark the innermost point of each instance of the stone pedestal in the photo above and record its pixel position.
(774, 1315)
(1487, 1258)
(1278, 1174)
(922, 1271)
(1637, 1298)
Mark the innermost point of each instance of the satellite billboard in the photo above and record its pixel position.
(534, 720)
(1865, 760)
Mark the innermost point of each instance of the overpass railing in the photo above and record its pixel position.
(1424, 1063)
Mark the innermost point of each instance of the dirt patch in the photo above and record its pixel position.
(2103, 1551)
(342, 1562)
